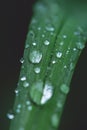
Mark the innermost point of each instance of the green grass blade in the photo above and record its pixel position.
(53, 45)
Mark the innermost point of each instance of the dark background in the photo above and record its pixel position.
(14, 19)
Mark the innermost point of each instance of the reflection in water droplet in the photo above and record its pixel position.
(34, 43)
(74, 49)
(80, 45)
(23, 78)
(37, 70)
(64, 88)
(64, 36)
(36, 91)
(10, 116)
(26, 84)
(47, 93)
(59, 54)
(55, 120)
(35, 56)
(50, 28)
(53, 62)
(22, 60)
(46, 42)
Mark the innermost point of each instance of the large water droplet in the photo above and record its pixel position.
(50, 28)
(59, 54)
(10, 115)
(47, 92)
(64, 88)
(35, 56)
(80, 45)
(40, 93)
(55, 120)
(46, 42)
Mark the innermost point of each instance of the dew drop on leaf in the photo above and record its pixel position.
(55, 120)
(46, 42)
(37, 70)
(35, 56)
(25, 84)
(22, 60)
(80, 45)
(64, 88)
(58, 54)
(10, 115)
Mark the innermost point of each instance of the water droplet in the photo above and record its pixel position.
(61, 43)
(34, 43)
(46, 42)
(23, 78)
(19, 106)
(29, 108)
(28, 102)
(43, 35)
(26, 84)
(37, 70)
(53, 62)
(65, 66)
(41, 94)
(55, 120)
(47, 92)
(18, 110)
(80, 45)
(26, 46)
(10, 115)
(64, 88)
(74, 49)
(64, 36)
(39, 28)
(59, 54)
(50, 28)
(22, 60)
(59, 104)
(16, 92)
(35, 56)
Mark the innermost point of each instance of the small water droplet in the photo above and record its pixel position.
(19, 106)
(80, 45)
(50, 28)
(59, 104)
(34, 44)
(37, 70)
(39, 28)
(28, 102)
(55, 120)
(22, 60)
(64, 36)
(10, 115)
(23, 78)
(29, 108)
(61, 43)
(46, 42)
(16, 92)
(35, 56)
(18, 110)
(26, 84)
(65, 66)
(26, 46)
(74, 49)
(43, 35)
(64, 88)
(53, 62)
(47, 92)
(59, 54)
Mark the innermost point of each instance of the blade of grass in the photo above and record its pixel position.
(53, 45)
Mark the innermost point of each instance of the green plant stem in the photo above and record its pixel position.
(58, 39)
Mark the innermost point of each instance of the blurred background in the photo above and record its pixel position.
(15, 17)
